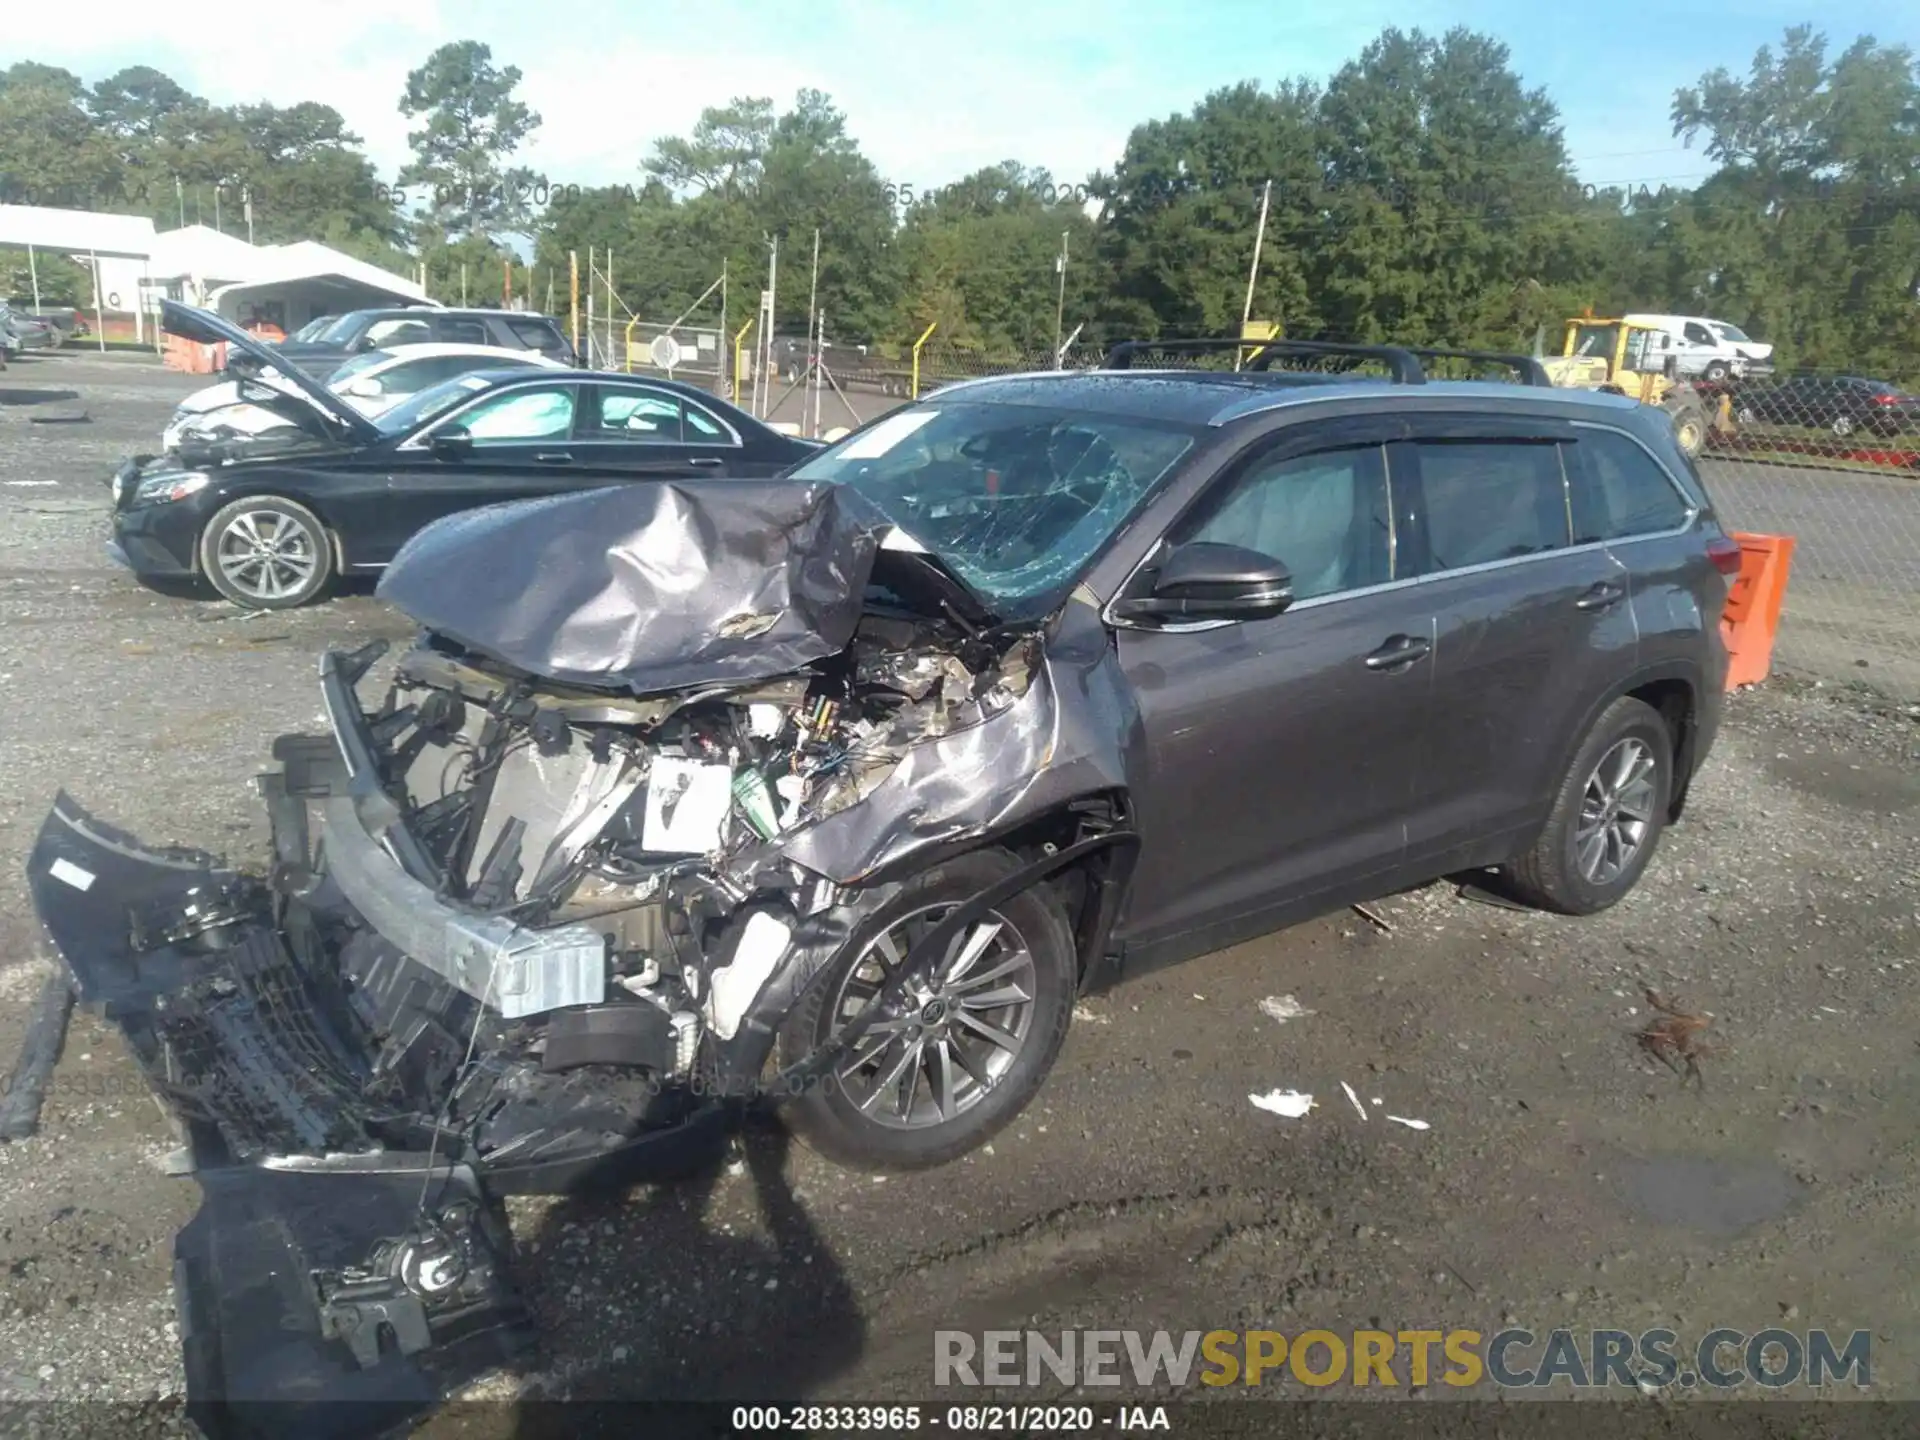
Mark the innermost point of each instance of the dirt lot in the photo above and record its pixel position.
(1566, 1177)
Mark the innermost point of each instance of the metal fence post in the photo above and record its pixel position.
(913, 391)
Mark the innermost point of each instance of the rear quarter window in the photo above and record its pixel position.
(534, 335)
(1622, 491)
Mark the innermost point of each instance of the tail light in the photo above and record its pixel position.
(1725, 554)
(1886, 399)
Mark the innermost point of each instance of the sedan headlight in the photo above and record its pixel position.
(160, 489)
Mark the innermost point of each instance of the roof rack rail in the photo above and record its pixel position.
(1400, 361)
(1529, 369)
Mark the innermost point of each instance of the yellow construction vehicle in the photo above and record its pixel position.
(1623, 359)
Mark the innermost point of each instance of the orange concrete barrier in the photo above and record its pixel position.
(182, 354)
(1752, 614)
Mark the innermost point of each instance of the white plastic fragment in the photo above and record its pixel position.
(1290, 1103)
(1410, 1124)
(1282, 1008)
(1355, 1099)
(69, 873)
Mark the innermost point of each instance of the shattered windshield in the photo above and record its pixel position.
(1016, 499)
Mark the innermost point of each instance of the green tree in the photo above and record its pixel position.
(473, 125)
(1809, 233)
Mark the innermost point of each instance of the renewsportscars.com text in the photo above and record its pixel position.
(1722, 1359)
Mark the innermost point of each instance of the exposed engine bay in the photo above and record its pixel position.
(537, 913)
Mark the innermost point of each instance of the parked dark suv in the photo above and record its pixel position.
(838, 787)
(361, 330)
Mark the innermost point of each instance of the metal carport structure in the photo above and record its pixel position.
(76, 233)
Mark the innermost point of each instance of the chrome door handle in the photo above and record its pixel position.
(1602, 596)
(1398, 653)
(708, 462)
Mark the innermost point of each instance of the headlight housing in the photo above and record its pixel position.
(160, 489)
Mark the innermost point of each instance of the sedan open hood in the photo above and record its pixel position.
(203, 327)
(652, 586)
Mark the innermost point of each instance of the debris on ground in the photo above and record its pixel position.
(1674, 1038)
(1290, 1103)
(1282, 1008)
(1354, 1099)
(1410, 1124)
(1374, 918)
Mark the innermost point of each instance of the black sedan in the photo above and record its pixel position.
(1842, 404)
(270, 520)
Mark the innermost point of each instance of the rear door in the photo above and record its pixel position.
(1527, 624)
(1623, 496)
(647, 431)
(1281, 752)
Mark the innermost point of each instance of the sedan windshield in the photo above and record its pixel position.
(1016, 499)
(419, 408)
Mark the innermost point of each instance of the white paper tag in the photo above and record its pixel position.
(69, 873)
(686, 803)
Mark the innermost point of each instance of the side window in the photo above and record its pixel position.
(535, 336)
(702, 428)
(1699, 335)
(464, 332)
(1626, 493)
(1492, 500)
(638, 416)
(1324, 516)
(388, 333)
(541, 413)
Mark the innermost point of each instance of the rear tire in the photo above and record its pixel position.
(266, 553)
(1607, 816)
(831, 1117)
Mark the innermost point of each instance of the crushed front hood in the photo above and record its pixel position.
(652, 586)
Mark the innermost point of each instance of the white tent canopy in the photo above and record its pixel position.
(77, 232)
(130, 259)
(201, 253)
(311, 279)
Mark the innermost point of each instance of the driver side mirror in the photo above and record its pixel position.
(1208, 581)
(452, 443)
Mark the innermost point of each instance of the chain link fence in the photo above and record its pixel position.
(1834, 462)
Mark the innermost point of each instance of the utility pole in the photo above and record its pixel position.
(773, 277)
(180, 197)
(1060, 305)
(246, 199)
(813, 333)
(1259, 236)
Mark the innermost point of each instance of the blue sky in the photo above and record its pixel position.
(931, 90)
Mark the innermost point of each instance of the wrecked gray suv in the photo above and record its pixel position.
(835, 789)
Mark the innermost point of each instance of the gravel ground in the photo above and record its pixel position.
(1566, 1178)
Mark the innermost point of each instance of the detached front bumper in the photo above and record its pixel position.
(325, 1286)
